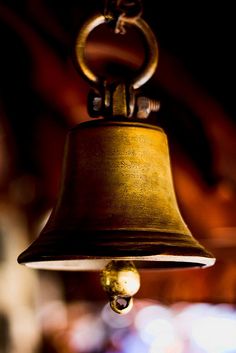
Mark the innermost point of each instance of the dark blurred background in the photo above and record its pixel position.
(42, 95)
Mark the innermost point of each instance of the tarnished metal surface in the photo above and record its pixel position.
(121, 281)
(117, 201)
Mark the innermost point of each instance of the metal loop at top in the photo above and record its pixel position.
(116, 9)
(152, 55)
(131, 8)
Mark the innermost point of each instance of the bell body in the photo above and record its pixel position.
(117, 202)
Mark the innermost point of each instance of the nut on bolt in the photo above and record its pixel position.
(145, 106)
(95, 104)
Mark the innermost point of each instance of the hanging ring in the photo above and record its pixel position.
(151, 61)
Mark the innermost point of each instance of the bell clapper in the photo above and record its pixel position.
(121, 280)
(121, 304)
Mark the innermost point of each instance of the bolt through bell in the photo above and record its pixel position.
(116, 202)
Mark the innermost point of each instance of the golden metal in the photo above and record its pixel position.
(119, 10)
(117, 202)
(121, 280)
(152, 55)
(119, 106)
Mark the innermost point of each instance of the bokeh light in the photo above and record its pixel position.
(215, 333)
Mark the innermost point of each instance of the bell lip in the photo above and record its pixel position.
(87, 263)
(114, 122)
(142, 246)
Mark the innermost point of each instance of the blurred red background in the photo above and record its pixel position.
(42, 96)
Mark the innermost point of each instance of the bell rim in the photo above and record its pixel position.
(161, 262)
(165, 248)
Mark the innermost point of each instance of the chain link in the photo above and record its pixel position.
(118, 12)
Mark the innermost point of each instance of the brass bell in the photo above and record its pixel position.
(117, 207)
(117, 202)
